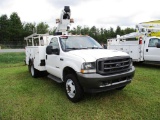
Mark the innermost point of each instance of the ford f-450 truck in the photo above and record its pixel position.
(79, 62)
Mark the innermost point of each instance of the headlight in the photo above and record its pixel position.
(88, 67)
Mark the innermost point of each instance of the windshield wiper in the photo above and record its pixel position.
(76, 48)
(73, 48)
(82, 48)
(94, 48)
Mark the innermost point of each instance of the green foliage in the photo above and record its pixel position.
(11, 59)
(118, 31)
(13, 31)
(15, 22)
(42, 28)
(28, 28)
(52, 31)
(15, 28)
(101, 35)
(4, 28)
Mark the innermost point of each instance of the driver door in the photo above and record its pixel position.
(151, 52)
(53, 60)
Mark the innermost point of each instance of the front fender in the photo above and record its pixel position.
(71, 64)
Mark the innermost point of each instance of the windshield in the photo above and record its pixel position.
(78, 42)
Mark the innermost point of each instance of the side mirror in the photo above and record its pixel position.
(56, 51)
(158, 45)
(105, 46)
(49, 50)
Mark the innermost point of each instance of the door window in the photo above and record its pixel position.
(153, 42)
(54, 43)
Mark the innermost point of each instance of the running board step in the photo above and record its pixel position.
(56, 79)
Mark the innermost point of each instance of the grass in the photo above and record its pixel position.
(11, 59)
(26, 98)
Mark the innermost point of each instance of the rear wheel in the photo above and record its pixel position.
(34, 72)
(73, 89)
(29, 68)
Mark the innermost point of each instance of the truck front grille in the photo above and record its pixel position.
(113, 65)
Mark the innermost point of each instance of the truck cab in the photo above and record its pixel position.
(151, 49)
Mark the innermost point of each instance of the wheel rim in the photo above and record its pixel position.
(32, 70)
(70, 87)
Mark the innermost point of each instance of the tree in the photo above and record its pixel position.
(111, 33)
(102, 37)
(42, 28)
(79, 30)
(12, 31)
(52, 31)
(73, 31)
(85, 30)
(129, 30)
(4, 24)
(15, 29)
(28, 28)
(92, 31)
(118, 31)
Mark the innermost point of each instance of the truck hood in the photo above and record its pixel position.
(91, 55)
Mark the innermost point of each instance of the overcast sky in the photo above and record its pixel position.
(101, 13)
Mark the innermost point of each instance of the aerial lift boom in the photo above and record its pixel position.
(64, 22)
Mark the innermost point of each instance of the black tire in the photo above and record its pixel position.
(120, 88)
(73, 89)
(29, 68)
(34, 72)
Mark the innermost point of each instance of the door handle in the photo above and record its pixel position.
(46, 57)
(146, 50)
(61, 59)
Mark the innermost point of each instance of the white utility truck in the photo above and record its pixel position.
(80, 62)
(143, 45)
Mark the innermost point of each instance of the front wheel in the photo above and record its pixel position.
(73, 89)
